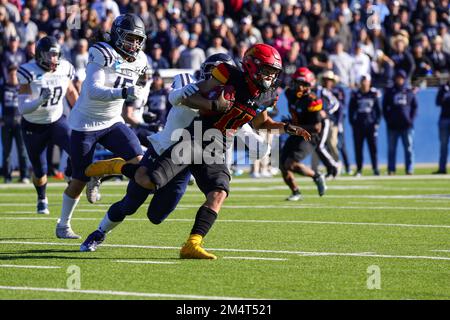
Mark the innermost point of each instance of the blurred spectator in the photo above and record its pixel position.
(304, 39)
(344, 32)
(158, 61)
(431, 26)
(316, 18)
(30, 50)
(162, 37)
(34, 7)
(59, 23)
(443, 101)
(361, 63)
(11, 129)
(445, 35)
(331, 36)
(365, 115)
(319, 60)
(192, 57)
(439, 58)
(283, 43)
(26, 29)
(342, 65)
(216, 47)
(105, 5)
(248, 33)
(291, 63)
(401, 56)
(12, 56)
(268, 35)
(7, 28)
(363, 40)
(158, 104)
(424, 66)
(400, 110)
(43, 23)
(13, 12)
(81, 56)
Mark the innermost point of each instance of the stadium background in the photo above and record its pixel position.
(71, 21)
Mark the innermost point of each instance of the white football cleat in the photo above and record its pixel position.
(66, 233)
(92, 190)
(295, 197)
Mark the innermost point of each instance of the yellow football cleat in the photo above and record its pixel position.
(192, 249)
(105, 167)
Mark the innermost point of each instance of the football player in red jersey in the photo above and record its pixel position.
(306, 110)
(254, 90)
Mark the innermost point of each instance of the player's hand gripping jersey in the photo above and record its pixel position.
(56, 82)
(101, 100)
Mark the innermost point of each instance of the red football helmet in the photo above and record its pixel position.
(304, 75)
(263, 65)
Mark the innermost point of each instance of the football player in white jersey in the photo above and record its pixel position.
(113, 70)
(166, 199)
(44, 82)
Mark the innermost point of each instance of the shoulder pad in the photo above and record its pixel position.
(101, 54)
(25, 74)
(181, 80)
(315, 105)
(67, 68)
(222, 72)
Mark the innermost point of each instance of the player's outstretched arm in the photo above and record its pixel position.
(26, 103)
(263, 121)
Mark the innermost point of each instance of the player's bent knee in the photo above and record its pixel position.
(141, 177)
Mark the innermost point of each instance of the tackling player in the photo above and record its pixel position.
(262, 65)
(166, 199)
(112, 72)
(44, 82)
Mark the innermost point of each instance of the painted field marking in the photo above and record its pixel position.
(146, 262)
(400, 225)
(307, 253)
(28, 266)
(123, 293)
(256, 258)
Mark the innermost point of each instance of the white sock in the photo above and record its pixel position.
(107, 225)
(68, 206)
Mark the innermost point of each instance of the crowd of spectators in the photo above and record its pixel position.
(353, 38)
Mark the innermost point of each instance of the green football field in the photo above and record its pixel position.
(368, 238)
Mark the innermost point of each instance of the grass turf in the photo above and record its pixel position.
(321, 247)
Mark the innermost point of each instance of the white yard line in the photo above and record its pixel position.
(146, 262)
(400, 225)
(28, 266)
(256, 258)
(300, 253)
(123, 293)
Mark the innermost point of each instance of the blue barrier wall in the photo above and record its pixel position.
(426, 132)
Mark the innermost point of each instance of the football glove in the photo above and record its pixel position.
(297, 131)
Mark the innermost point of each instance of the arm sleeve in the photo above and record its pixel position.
(95, 85)
(27, 105)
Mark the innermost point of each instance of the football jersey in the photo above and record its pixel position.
(247, 102)
(91, 115)
(58, 81)
(305, 111)
(179, 117)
